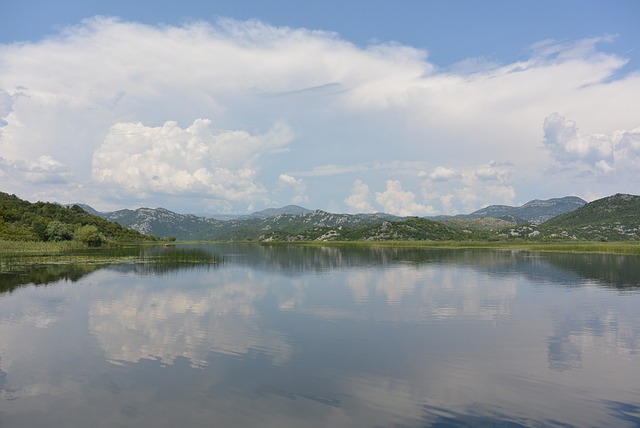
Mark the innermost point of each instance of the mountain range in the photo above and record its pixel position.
(293, 220)
(536, 211)
(613, 218)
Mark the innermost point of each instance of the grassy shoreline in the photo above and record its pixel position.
(14, 248)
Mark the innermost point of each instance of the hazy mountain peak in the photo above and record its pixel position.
(273, 212)
(535, 211)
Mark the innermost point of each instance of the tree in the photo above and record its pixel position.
(40, 229)
(58, 231)
(89, 235)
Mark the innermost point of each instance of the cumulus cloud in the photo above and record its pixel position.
(492, 172)
(288, 180)
(395, 200)
(565, 141)
(359, 200)
(603, 153)
(468, 188)
(137, 159)
(443, 174)
(627, 148)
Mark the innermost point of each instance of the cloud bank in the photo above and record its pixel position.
(221, 116)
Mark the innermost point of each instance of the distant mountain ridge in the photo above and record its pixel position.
(292, 220)
(615, 218)
(273, 212)
(162, 222)
(536, 211)
(266, 213)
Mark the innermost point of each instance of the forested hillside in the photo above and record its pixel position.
(22, 220)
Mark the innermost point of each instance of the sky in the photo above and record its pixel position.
(229, 107)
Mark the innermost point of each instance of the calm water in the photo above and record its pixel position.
(325, 337)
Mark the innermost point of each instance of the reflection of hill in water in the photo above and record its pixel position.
(605, 269)
(43, 275)
(295, 259)
(609, 270)
(138, 260)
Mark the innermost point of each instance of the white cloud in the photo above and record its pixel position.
(298, 186)
(359, 200)
(492, 172)
(43, 170)
(391, 166)
(443, 174)
(627, 148)
(567, 143)
(396, 201)
(602, 153)
(5, 106)
(288, 180)
(468, 188)
(138, 159)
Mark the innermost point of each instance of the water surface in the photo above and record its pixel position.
(325, 336)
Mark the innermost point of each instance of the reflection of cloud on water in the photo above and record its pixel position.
(387, 401)
(396, 284)
(27, 313)
(429, 292)
(164, 325)
(581, 334)
(358, 282)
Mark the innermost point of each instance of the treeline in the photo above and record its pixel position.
(22, 220)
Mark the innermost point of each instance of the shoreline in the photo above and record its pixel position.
(26, 248)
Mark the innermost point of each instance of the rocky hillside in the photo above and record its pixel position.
(293, 225)
(165, 223)
(479, 224)
(184, 227)
(411, 229)
(613, 218)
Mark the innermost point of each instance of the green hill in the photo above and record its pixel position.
(22, 220)
(614, 218)
(411, 229)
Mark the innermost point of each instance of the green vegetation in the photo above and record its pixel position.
(614, 218)
(43, 255)
(23, 221)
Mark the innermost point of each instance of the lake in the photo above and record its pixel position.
(289, 336)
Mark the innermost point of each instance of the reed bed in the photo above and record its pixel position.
(17, 256)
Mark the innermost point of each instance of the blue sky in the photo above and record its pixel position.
(412, 107)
